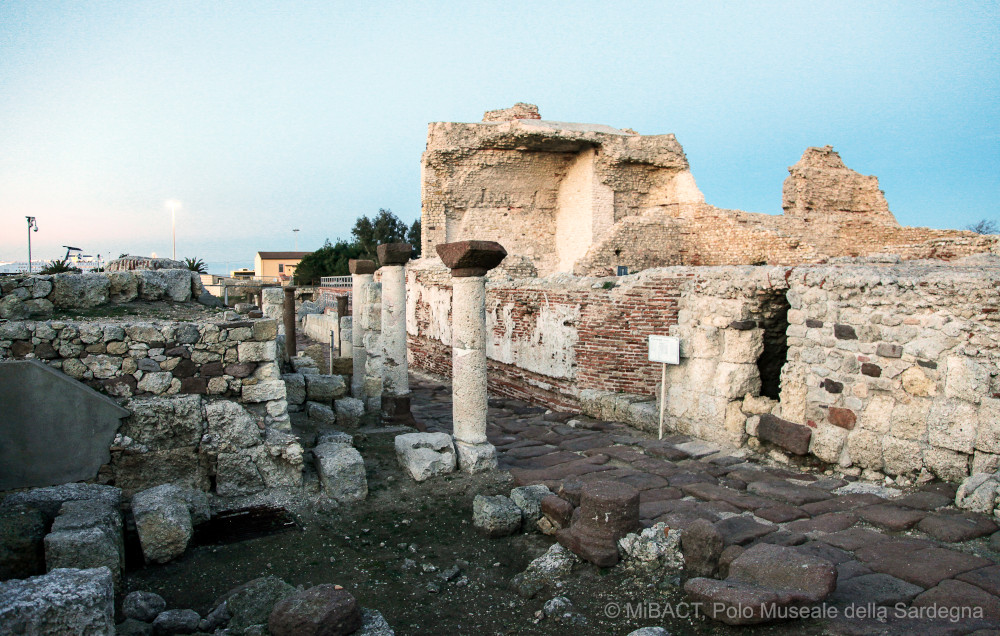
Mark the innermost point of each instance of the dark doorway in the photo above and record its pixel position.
(774, 320)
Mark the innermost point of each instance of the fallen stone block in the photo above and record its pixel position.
(349, 412)
(787, 435)
(64, 601)
(324, 388)
(295, 388)
(529, 500)
(425, 455)
(702, 545)
(176, 621)
(164, 519)
(143, 606)
(496, 516)
(252, 602)
(50, 499)
(320, 413)
(87, 534)
(341, 472)
(555, 564)
(323, 610)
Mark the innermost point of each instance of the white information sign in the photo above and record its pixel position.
(665, 349)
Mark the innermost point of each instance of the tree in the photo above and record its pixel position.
(329, 260)
(984, 226)
(413, 238)
(196, 265)
(384, 228)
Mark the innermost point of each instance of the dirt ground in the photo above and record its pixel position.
(366, 549)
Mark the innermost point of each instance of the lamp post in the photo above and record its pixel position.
(32, 224)
(172, 205)
(295, 233)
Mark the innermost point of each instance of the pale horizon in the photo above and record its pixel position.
(263, 117)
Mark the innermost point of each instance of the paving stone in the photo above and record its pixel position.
(736, 498)
(821, 550)
(656, 467)
(924, 500)
(852, 538)
(545, 461)
(783, 537)
(697, 449)
(783, 491)
(942, 488)
(804, 577)
(833, 522)
(659, 494)
(995, 542)
(735, 484)
(958, 594)
(732, 602)
(956, 526)
(682, 478)
(586, 443)
(621, 453)
(924, 567)
(781, 513)
(645, 481)
(829, 483)
(850, 569)
(890, 517)
(987, 578)
(842, 503)
(654, 509)
(880, 589)
(535, 449)
(742, 530)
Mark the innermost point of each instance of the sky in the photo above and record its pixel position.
(263, 117)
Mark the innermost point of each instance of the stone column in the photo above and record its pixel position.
(361, 273)
(469, 261)
(395, 379)
(371, 321)
(289, 319)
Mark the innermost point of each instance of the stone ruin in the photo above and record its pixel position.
(587, 199)
(820, 339)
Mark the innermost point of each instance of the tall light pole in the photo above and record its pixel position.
(32, 224)
(173, 205)
(295, 233)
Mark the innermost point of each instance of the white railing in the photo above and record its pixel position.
(335, 281)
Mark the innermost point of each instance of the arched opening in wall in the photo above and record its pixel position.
(774, 320)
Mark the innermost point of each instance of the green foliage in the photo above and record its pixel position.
(413, 238)
(58, 267)
(196, 265)
(984, 226)
(384, 228)
(329, 260)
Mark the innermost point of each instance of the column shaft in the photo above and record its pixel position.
(395, 379)
(468, 359)
(358, 334)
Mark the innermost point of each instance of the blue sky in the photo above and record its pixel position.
(261, 117)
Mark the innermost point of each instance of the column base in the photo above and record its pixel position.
(396, 410)
(476, 458)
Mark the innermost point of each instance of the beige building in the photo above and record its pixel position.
(279, 265)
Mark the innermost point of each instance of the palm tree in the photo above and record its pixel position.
(196, 265)
(58, 267)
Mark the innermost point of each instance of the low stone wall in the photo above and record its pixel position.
(23, 297)
(888, 368)
(125, 359)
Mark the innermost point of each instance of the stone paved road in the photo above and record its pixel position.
(915, 548)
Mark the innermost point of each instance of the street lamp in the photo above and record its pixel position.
(32, 225)
(172, 205)
(295, 233)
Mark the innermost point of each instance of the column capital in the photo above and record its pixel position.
(394, 253)
(471, 258)
(359, 266)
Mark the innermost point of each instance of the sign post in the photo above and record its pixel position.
(665, 350)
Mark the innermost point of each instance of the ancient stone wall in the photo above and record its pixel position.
(881, 366)
(25, 296)
(134, 359)
(586, 199)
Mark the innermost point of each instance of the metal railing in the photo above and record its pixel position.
(335, 281)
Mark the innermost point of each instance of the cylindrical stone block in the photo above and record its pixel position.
(394, 366)
(608, 511)
(289, 321)
(468, 358)
(358, 332)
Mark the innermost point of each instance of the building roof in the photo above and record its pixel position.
(281, 255)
